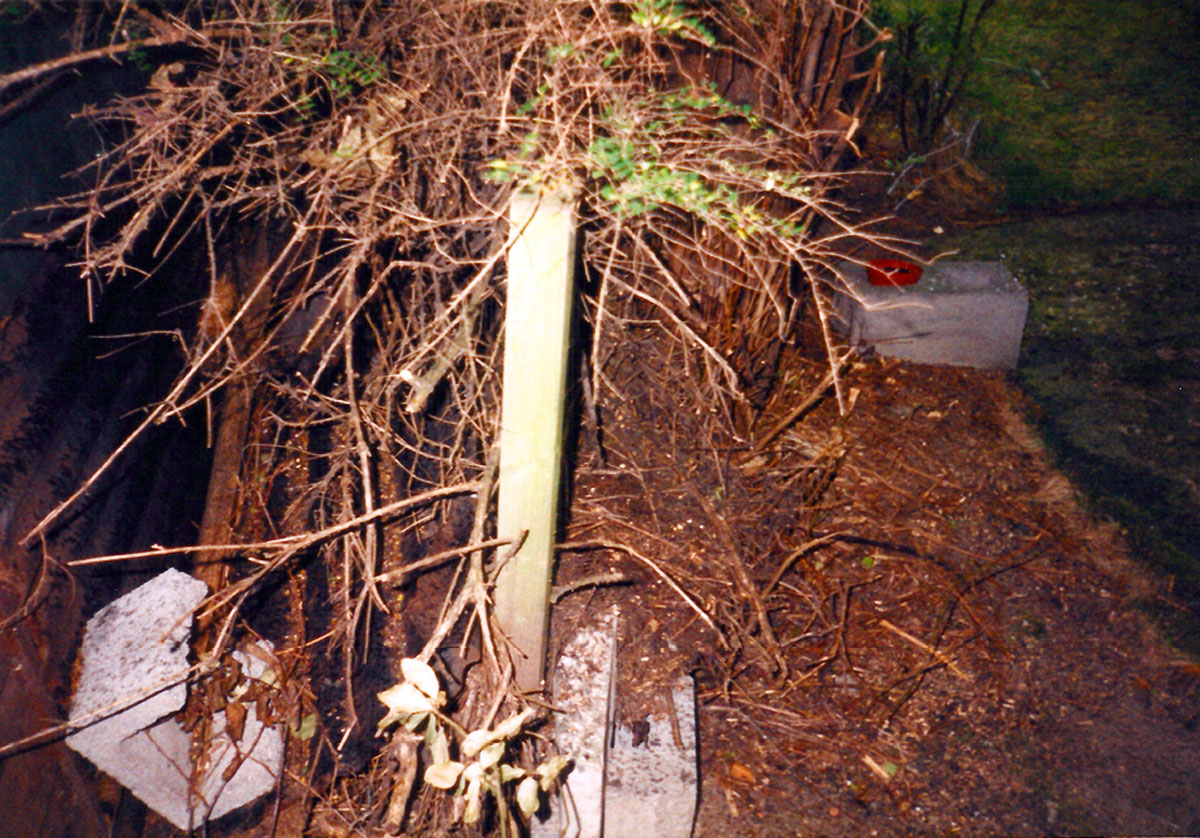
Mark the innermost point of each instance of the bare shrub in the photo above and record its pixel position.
(345, 169)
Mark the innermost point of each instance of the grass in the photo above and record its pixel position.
(1118, 115)
(1110, 358)
(1094, 106)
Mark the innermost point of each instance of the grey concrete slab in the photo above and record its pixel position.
(582, 694)
(259, 752)
(960, 313)
(651, 783)
(616, 788)
(134, 661)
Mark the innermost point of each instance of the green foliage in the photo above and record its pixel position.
(937, 45)
(559, 52)
(347, 71)
(630, 162)
(670, 18)
(313, 56)
(139, 59)
(1090, 114)
(658, 151)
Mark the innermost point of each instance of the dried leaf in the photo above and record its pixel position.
(740, 772)
(423, 676)
(235, 720)
(443, 775)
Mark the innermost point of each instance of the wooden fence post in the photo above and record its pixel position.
(541, 266)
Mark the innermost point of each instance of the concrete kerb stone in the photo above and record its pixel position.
(582, 694)
(618, 788)
(132, 679)
(967, 313)
(651, 785)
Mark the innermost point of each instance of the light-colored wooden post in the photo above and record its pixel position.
(537, 329)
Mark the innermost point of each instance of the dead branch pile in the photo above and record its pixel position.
(343, 172)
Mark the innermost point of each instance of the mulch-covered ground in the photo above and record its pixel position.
(899, 619)
(915, 629)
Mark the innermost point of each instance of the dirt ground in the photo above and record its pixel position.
(900, 621)
(961, 651)
(924, 632)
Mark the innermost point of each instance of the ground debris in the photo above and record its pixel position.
(916, 634)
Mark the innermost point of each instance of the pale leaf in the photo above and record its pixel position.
(491, 755)
(551, 768)
(471, 813)
(439, 745)
(527, 796)
(307, 728)
(443, 775)
(508, 773)
(421, 675)
(475, 742)
(511, 726)
(404, 700)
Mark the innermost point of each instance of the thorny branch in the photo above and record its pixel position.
(371, 150)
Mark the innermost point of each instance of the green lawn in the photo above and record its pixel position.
(1094, 105)
(1118, 117)
(1111, 358)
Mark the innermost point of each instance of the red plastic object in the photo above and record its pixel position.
(892, 272)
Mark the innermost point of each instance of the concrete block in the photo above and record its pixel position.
(616, 788)
(968, 314)
(131, 682)
(582, 692)
(650, 786)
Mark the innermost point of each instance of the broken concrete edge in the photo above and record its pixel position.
(617, 789)
(581, 690)
(132, 681)
(652, 786)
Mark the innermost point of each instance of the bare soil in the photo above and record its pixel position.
(900, 620)
(963, 652)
